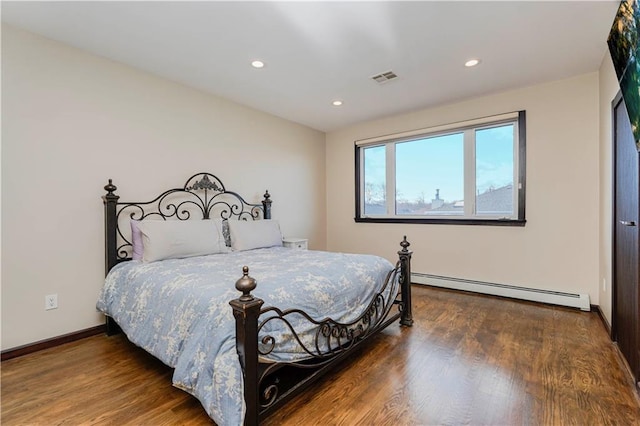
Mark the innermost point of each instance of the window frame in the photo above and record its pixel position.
(389, 141)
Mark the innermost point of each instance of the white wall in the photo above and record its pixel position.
(558, 249)
(71, 120)
(609, 87)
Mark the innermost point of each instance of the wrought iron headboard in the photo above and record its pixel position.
(202, 196)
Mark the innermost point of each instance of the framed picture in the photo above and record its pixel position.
(624, 46)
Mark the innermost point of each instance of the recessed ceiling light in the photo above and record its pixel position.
(257, 64)
(472, 62)
(336, 103)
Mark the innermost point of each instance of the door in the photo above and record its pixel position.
(626, 260)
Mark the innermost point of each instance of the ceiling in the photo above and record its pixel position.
(317, 52)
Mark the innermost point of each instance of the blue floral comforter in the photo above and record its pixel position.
(178, 309)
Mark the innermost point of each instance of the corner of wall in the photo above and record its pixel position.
(608, 88)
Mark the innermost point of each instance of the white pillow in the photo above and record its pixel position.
(253, 234)
(175, 239)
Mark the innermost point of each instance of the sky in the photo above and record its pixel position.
(428, 164)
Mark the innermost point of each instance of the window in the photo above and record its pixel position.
(464, 173)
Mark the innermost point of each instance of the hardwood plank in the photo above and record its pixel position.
(468, 359)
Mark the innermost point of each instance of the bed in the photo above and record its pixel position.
(243, 350)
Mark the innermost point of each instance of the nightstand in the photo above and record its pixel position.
(296, 243)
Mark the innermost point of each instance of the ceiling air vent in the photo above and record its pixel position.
(384, 77)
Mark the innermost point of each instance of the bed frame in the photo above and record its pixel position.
(267, 384)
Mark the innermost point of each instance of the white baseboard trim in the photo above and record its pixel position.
(572, 300)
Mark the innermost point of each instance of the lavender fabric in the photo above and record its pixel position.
(136, 240)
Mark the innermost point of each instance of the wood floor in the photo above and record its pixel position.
(468, 359)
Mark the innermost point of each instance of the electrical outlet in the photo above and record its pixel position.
(51, 302)
(604, 284)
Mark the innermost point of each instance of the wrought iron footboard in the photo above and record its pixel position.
(268, 384)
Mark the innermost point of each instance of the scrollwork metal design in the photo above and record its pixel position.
(205, 183)
(269, 394)
(203, 196)
(330, 340)
(331, 337)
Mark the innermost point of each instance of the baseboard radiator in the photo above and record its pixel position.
(573, 300)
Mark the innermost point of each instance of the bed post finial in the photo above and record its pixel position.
(405, 282)
(110, 187)
(246, 284)
(404, 244)
(246, 310)
(266, 203)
